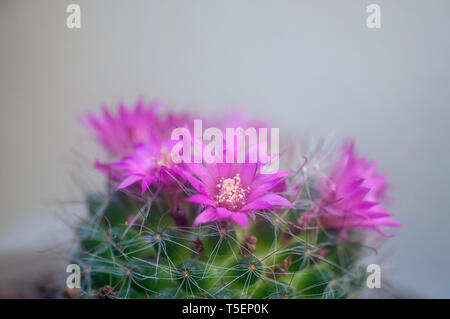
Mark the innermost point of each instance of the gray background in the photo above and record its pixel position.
(313, 67)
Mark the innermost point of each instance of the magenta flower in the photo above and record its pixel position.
(232, 192)
(350, 196)
(150, 164)
(120, 133)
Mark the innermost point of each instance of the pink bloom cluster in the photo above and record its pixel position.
(140, 138)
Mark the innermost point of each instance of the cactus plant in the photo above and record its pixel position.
(222, 230)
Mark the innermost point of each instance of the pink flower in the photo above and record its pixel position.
(120, 133)
(232, 192)
(150, 164)
(141, 138)
(350, 196)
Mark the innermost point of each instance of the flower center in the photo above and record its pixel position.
(231, 194)
(165, 158)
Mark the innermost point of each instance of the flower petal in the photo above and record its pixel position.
(267, 202)
(128, 181)
(223, 213)
(240, 219)
(208, 215)
(201, 199)
(257, 205)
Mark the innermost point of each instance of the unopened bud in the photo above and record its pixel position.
(106, 292)
(198, 245)
(179, 216)
(282, 268)
(249, 245)
(299, 226)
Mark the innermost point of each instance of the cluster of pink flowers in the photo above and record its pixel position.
(138, 143)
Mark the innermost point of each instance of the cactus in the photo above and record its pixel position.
(150, 241)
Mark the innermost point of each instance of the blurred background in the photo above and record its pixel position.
(312, 67)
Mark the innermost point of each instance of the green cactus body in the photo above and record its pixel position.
(154, 258)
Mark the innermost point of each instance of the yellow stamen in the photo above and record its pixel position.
(231, 194)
